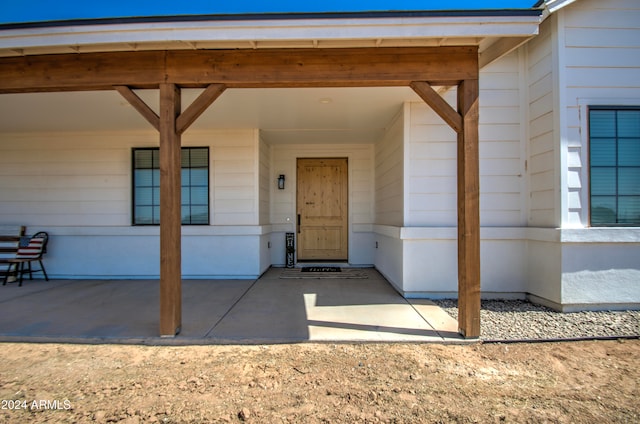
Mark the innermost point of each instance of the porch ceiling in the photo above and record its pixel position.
(285, 115)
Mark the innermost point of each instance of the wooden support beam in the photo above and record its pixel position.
(438, 104)
(139, 105)
(349, 67)
(501, 47)
(468, 212)
(199, 105)
(170, 215)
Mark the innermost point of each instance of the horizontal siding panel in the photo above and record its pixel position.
(239, 206)
(499, 132)
(498, 81)
(233, 218)
(432, 133)
(541, 181)
(446, 150)
(543, 199)
(499, 150)
(43, 194)
(443, 218)
(500, 218)
(542, 162)
(228, 179)
(603, 77)
(497, 98)
(604, 92)
(541, 107)
(588, 57)
(603, 18)
(540, 88)
(61, 207)
(500, 184)
(433, 202)
(232, 153)
(500, 201)
(602, 37)
(427, 167)
(499, 115)
(64, 219)
(232, 166)
(65, 181)
(499, 167)
(237, 192)
(541, 69)
(543, 218)
(431, 185)
(65, 168)
(541, 125)
(541, 145)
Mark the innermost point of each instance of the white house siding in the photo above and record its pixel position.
(600, 52)
(542, 161)
(389, 174)
(389, 198)
(265, 183)
(587, 53)
(361, 197)
(428, 239)
(77, 186)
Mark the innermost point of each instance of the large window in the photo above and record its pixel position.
(614, 157)
(195, 186)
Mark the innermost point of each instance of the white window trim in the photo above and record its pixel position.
(583, 104)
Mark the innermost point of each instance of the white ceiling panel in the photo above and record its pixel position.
(286, 115)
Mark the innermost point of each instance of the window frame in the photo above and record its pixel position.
(182, 186)
(613, 108)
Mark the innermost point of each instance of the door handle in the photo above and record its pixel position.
(298, 223)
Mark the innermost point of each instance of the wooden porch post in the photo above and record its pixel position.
(171, 124)
(170, 216)
(468, 212)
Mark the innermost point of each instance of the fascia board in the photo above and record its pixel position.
(275, 30)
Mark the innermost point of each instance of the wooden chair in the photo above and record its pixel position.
(32, 252)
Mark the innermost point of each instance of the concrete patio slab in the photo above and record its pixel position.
(273, 309)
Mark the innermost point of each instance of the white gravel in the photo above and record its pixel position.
(508, 320)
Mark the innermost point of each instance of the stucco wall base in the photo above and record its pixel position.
(454, 295)
(134, 252)
(566, 270)
(583, 306)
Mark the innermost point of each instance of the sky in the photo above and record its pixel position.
(17, 11)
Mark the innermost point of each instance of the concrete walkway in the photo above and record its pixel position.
(280, 307)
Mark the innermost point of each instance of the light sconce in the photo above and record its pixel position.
(281, 182)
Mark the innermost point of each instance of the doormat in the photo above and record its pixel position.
(345, 273)
(321, 269)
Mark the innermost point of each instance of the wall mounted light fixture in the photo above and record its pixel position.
(281, 182)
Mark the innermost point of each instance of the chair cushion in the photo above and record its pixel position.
(32, 251)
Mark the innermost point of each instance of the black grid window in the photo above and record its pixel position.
(195, 186)
(614, 158)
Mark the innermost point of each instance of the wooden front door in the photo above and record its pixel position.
(322, 209)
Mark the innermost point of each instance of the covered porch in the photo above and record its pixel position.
(426, 66)
(279, 307)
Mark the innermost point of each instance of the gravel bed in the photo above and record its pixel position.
(505, 320)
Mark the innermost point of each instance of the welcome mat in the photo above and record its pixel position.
(343, 273)
(321, 269)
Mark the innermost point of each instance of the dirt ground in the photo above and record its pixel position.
(573, 382)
